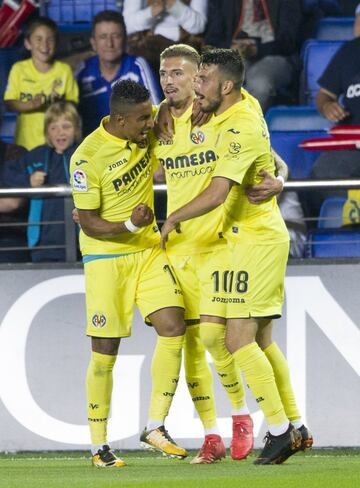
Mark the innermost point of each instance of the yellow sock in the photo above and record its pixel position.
(213, 338)
(260, 378)
(99, 382)
(283, 382)
(198, 377)
(165, 370)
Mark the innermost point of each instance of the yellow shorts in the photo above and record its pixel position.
(257, 274)
(192, 273)
(115, 285)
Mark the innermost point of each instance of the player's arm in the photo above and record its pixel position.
(213, 196)
(270, 185)
(95, 226)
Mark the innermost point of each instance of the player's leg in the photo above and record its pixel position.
(197, 371)
(99, 383)
(283, 380)
(109, 304)
(258, 295)
(212, 333)
(160, 301)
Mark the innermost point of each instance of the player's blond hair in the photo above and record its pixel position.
(70, 113)
(181, 51)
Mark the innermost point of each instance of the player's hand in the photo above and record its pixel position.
(198, 117)
(142, 215)
(75, 216)
(37, 178)
(168, 226)
(269, 187)
(163, 123)
(334, 111)
(157, 7)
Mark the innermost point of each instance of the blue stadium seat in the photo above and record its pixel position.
(7, 129)
(296, 118)
(70, 11)
(335, 243)
(316, 56)
(335, 29)
(286, 143)
(331, 213)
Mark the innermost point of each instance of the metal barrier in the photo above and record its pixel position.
(64, 191)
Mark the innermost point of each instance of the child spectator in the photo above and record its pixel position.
(37, 82)
(47, 164)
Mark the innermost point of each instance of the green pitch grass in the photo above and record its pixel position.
(317, 469)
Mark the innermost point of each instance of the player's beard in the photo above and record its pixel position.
(214, 103)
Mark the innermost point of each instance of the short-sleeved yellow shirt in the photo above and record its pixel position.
(113, 175)
(243, 149)
(25, 82)
(189, 162)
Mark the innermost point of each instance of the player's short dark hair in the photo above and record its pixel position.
(41, 22)
(126, 93)
(229, 62)
(181, 51)
(109, 16)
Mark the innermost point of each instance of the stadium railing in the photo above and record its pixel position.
(64, 191)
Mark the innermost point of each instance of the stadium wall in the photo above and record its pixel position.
(44, 355)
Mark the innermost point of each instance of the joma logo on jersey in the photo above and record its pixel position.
(132, 174)
(188, 161)
(197, 137)
(117, 164)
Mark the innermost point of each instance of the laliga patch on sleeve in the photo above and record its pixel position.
(79, 180)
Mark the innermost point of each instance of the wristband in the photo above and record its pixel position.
(281, 178)
(131, 227)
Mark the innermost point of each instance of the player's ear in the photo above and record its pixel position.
(227, 87)
(27, 44)
(120, 120)
(93, 44)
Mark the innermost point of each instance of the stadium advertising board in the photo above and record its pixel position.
(44, 355)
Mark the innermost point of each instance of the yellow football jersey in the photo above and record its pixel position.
(243, 149)
(189, 163)
(25, 82)
(113, 175)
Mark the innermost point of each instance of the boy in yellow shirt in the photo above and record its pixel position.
(37, 82)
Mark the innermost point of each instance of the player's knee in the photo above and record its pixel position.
(211, 337)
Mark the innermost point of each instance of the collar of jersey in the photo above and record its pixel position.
(33, 67)
(110, 137)
(184, 118)
(217, 119)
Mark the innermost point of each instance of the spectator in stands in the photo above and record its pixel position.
(154, 25)
(339, 101)
(12, 210)
(47, 164)
(37, 82)
(267, 34)
(97, 74)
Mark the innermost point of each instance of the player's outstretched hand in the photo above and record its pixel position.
(142, 215)
(269, 187)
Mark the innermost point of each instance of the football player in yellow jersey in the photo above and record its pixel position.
(247, 287)
(189, 160)
(111, 177)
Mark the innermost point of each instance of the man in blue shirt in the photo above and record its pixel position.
(97, 74)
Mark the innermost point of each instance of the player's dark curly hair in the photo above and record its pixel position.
(230, 64)
(125, 93)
